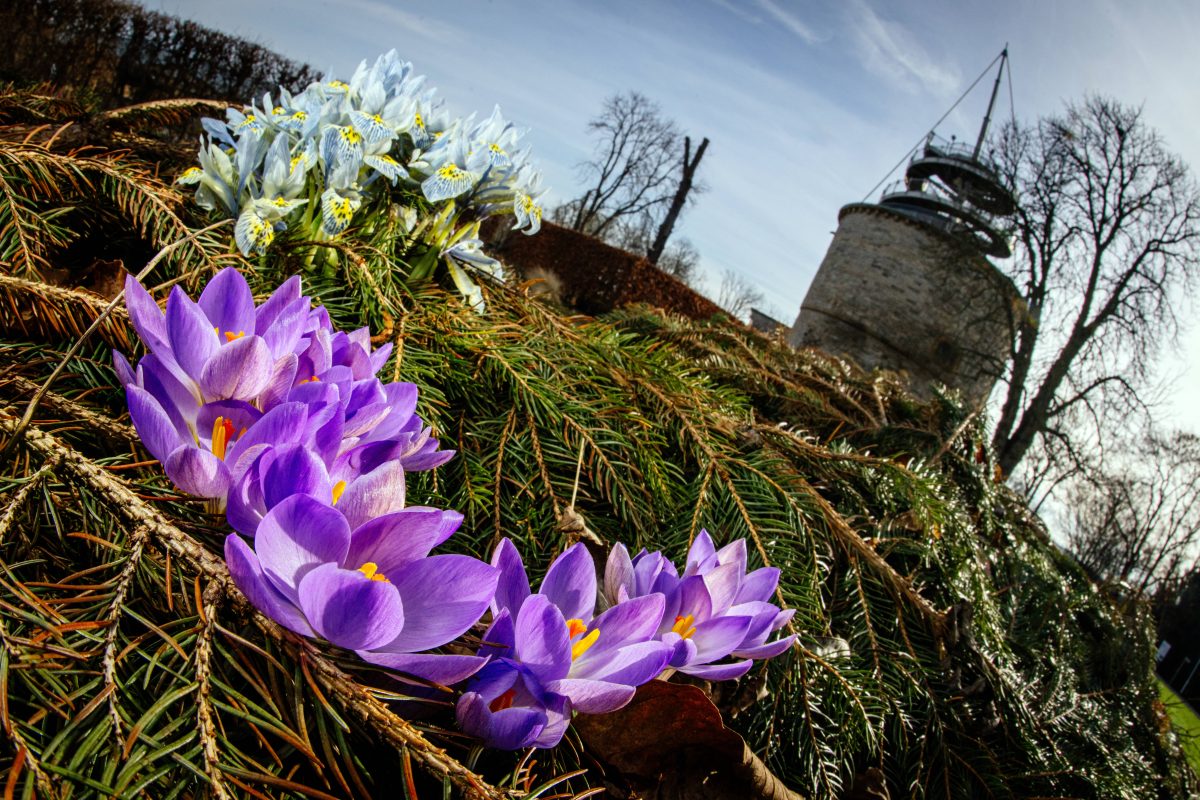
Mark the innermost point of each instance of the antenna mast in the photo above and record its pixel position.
(987, 117)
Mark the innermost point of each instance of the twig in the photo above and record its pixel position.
(22, 494)
(137, 539)
(208, 736)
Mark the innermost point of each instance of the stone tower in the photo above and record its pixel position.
(906, 283)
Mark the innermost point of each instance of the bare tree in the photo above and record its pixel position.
(1139, 520)
(632, 171)
(687, 177)
(1107, 234)
(737, 295)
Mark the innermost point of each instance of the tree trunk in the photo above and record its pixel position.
(685, 186)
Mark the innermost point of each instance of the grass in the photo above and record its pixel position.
(1186, 722)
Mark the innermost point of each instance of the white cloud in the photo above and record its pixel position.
(738, 10)
(890, 51)
(789, 21)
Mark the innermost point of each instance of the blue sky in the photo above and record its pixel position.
(807, 104)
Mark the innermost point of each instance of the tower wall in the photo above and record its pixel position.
(897, 294)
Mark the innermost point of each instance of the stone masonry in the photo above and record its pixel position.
(897, 294)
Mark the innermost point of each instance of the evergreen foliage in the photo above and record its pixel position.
(943, 639)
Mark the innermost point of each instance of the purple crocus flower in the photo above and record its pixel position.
(551, 655)
(367, 585)
(220, 365)
(713, 611)
(220, 347)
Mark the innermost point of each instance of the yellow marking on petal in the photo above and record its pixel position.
(280, 202)
(191, 172)
(450, 171)
(300, 116)
(338, 488)
(377, 119)
(371, 570)
(684, 627)
(350, 135)
(584, 644)
(495, 148)
(418, 120)
(575, 627)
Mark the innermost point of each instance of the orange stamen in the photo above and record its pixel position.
(575, 627)
(503, 701)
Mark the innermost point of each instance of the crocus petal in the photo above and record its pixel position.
(283, 424)
(124, 372)
(632, 621)
(395, 539)
(593, 697)
(513, 588)
(722, 583)
(349, 609)
(296, 536)
(373, 495)
(509, 729)
(618, 573)
(283, 335)
(444, 670)
(443, 596)
(283, 375)
(197, 472)
(239, 370)
(718, 637)
(632, 665)
(191, 336)
(247, 574)
(690, 597)
(157, 431)
(734, 553)
(380, 357)
(500, 638)
(292, 470)
(718, 672)
(178, 394)
(758, 585)
(228, 302)
(146, 316)
(543, 646)
(287, 293)
(761, 616)
(701, 551)
(768, 650)
(570, 583)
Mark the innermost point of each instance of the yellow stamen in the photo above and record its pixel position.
(684, 627)
(222, 433)
(584, 644)
(313, 379)
(338, 488)
(575, 627)
(371, 570)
